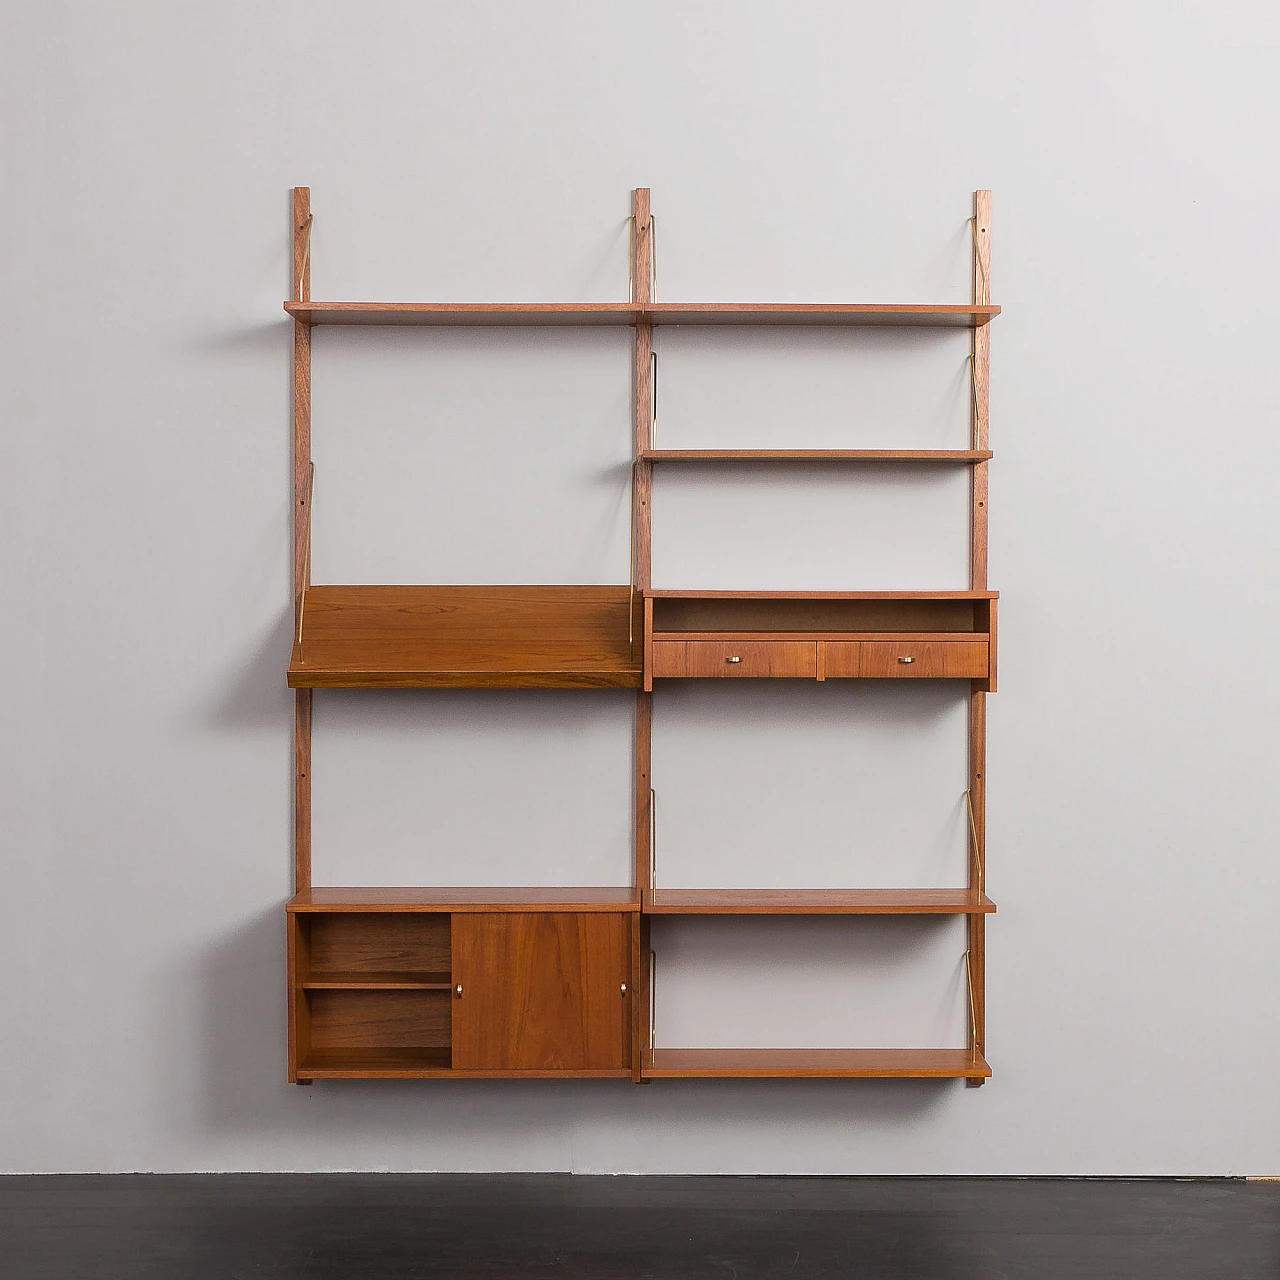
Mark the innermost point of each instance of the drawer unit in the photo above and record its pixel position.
(740, 658)
(950, 659)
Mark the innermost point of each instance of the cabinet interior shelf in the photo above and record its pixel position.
(912, 1063)
(377, 981)
(424, 1064)
(817, 455)
(506, 314)
(408, 637)
(817, 902)
(449, 898)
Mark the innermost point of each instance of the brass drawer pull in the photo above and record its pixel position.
(733, 659)
(624, 988)
(458, 990)
(906, 659)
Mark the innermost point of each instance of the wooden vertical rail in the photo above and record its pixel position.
(641, 570)
(642, 270)
(981, 384)
(644, 816)
(977, 863)
(301, 528)
(981, 226)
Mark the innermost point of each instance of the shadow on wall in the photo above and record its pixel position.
(253, 693)
(495, 1125)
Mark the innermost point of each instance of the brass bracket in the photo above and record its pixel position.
(979, 854)
(306, 558)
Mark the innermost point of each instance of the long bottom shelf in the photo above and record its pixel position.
(433, 1064)
(936, 1064)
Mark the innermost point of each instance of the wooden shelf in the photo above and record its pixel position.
(467, 637)
(465, 314)
(506, 314)
(805, 633)
(907, 1063)
(818, 595)
(357, 981)
(820, 313)
(448, 898)
(816, 455)
(337, 1064)
(421, 1064)
(869, 902)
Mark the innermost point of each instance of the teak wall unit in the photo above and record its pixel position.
(525, 982)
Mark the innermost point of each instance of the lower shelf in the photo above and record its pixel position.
(433, 1064)
(421, 1064)
(905, 1063)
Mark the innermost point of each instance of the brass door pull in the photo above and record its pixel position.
(906, 659)
(458, 991)
(733, 659)
(624, 988)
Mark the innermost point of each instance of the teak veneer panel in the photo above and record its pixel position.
(965, 316)
(914, 1063)
(449, 899)
(465, 314)
(629, 313)
(816, 455)
(827, 637)
(379, 1019)
(820, 595)
(377, 981)
(868, 902)
(432, 637)
(953, 659)
(421, 1064)
(720, 657)
(841, 659)
(541, 991)
(392, 943)
(730, 659)
(817, 615)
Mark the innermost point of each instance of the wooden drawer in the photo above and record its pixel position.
(952, 659)
(727, 658)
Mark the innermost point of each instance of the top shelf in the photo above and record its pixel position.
(507, 314)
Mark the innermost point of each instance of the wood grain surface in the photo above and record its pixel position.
(913, 660)
(508, 637)
(541, 991)
(625, 313)
(916, 1063)
(379, 1019)
(736, 659)
(378, 942)
(858, 618)
(449, 898)
(868, 902)
(816, 455)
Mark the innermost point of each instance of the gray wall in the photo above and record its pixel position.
(796, 152)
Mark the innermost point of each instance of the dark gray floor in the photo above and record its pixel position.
(372, 1227)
